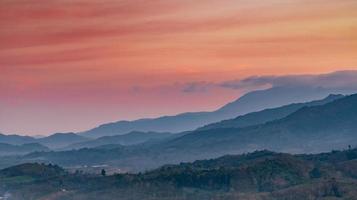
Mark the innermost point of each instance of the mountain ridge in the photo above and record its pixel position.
(266, 115)
(250, 102)
(335, 128)
(10, 149)
(132, 138)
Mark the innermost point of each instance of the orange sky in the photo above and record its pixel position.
(72, 64)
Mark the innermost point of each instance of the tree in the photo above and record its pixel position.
(103, 172)
(315, 173)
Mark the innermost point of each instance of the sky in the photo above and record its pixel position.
(70, 65)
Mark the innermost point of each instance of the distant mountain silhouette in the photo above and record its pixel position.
(55, 141)
(267, 115)
(310, 129)
(126, 139)
(250, 102)
(16, 139)
(9, 149)
(60, 140)
(241, 121)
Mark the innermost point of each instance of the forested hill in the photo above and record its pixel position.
(259, 175)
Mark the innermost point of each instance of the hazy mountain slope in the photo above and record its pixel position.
(279, 96)
(310, 129)
(57, 140)
(9, 149)
(266, 115)
(16, 139)
(126, 139)
(60, 140)
(251, 102)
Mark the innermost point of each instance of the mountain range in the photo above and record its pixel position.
(55, 141)
(315, 128)
(9, 149)
(60, 140)
(250, 102)
(266, 115)
(16, 139)
(309, 129)
(131, 138)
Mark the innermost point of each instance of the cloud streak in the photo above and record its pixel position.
(334, 80)
(340, 79)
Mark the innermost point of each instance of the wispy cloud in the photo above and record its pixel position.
(197, 87)
(344, 79)
(335, 80)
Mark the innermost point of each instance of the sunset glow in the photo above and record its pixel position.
(69, 65)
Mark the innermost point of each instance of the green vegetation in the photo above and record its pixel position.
(259, 175)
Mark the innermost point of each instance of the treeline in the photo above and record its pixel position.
(258, 175)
